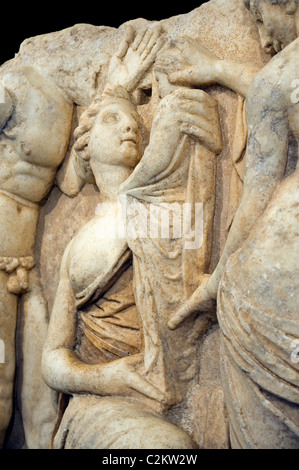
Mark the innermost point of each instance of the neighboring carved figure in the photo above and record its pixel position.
(258, 272)
(119, 362)
(35, 121)
(201, 68)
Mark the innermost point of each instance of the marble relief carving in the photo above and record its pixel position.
(149, 242)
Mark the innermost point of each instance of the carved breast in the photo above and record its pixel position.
(94, 253)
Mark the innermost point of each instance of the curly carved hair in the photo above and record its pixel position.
(83, 131)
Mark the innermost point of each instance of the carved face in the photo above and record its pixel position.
(277, 29)
(115, 138)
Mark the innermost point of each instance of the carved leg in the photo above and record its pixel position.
(39, 402)
(17, 234)
(8, 319)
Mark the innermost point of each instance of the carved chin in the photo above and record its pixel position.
(130, 154)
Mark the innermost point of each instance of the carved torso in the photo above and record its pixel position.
(94, 252)
(34, 139)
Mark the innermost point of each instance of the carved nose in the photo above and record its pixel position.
(266, 37)
(267, 44)
(130, 129)
(129, 132)
(131, 124)
(266, 40)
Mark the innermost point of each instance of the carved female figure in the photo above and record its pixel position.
(103, 360)
(93, 352)
(110, 356)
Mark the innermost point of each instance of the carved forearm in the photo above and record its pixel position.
(235, 75)
(64, 372)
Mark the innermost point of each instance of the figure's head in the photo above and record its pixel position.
(109, 133)
(277, 21)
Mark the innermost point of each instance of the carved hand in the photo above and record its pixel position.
(203, 64)
(182, 112)
(119, 377)
(203, 299)
(200, 119)
(134, 57)
(191, 112)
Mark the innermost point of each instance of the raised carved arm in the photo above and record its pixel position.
(183, 112)
(266, 156)
(205, 68)
(134, 57)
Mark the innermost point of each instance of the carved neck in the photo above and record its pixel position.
(108, 180)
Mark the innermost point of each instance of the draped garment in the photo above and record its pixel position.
(259, 318)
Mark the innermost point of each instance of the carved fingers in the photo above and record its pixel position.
(186, 77)
(126, 42)
(142, 386)
(142, 54)
(135, 56)
(203, 299)
(121, 377)
(194, 51)
(202, 64)
(197, 114)
(146, 41)
(143, 45)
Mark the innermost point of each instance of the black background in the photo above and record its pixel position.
(21, 20)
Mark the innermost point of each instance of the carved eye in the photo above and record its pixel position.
(110, 118)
